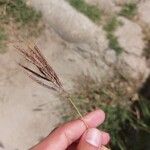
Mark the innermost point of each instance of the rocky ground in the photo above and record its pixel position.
(73, 45)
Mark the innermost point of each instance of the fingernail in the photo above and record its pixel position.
(93, 137)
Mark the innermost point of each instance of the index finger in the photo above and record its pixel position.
(65, 135)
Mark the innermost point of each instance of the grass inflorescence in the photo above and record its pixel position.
(45, 76)
(91, 11)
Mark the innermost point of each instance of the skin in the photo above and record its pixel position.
(72, 135)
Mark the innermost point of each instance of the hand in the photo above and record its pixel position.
(74, 135)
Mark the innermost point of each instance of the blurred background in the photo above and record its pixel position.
(101, 52)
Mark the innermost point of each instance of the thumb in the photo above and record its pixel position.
(65, 135)
(91, 140)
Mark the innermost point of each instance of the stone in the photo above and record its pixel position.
(133, 66)
(70, 24)
(110, 57)
(144, 17)
(130, 37)
(144, 12)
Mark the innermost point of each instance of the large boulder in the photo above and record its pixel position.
(70, 24)
(130, 37)
(144, 17)
(131, 61)
(144, 12)
(133, 67)
(86, 42)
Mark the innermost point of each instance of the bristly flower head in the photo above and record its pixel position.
(46, 72)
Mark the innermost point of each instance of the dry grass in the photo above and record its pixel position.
(46, 72)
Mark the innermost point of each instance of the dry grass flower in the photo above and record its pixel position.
(45, 72)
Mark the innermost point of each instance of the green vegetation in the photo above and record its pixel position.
(91, 12)
(147, 49)
(146, 32)
(113, 43)
(19, 11)
(127, 117)
(129, 10)
(20, 16)
(110, 27)
(3, 37)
